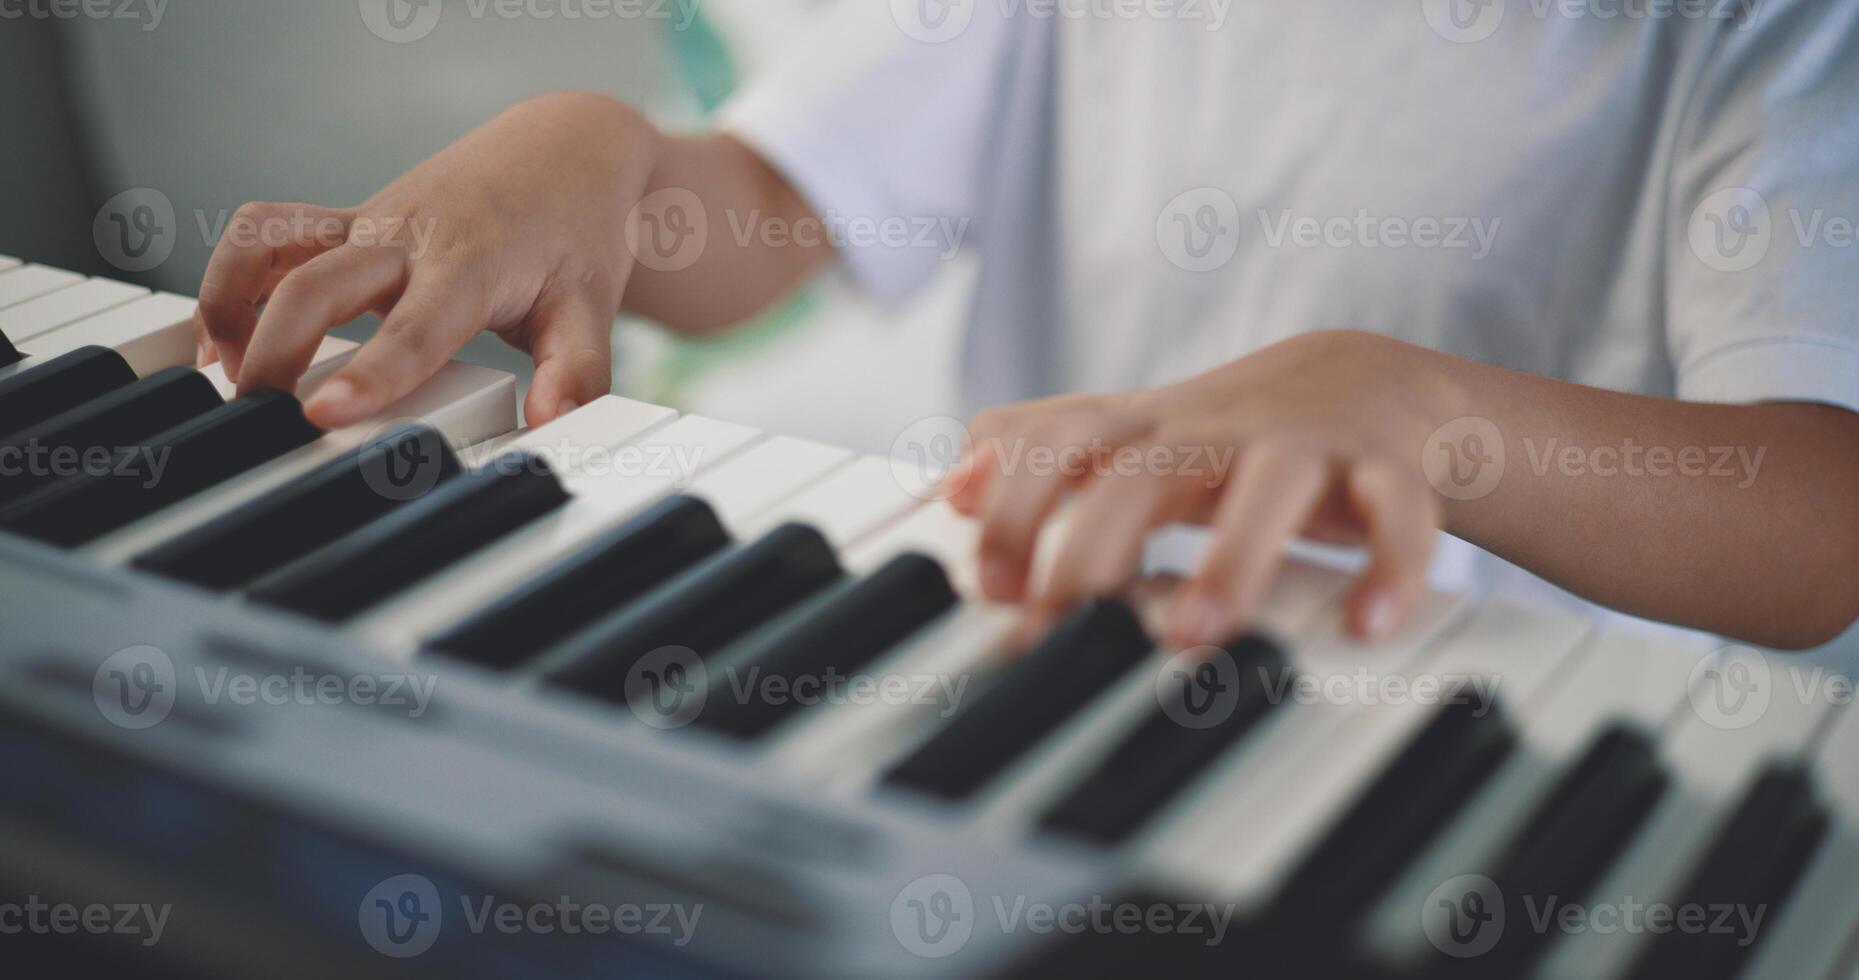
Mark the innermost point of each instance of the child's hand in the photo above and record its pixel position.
(1317, 436)
(516, 228)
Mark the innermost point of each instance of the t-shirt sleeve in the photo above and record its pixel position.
(1763, 259)
(887, 121)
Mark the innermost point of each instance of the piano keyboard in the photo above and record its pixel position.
(560, 582)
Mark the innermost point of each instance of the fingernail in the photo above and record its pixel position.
(1201, 618)
(998, 576)
(1378, 616)
(202, 353)
(337, 399)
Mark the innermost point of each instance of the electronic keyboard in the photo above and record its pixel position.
(637, 693)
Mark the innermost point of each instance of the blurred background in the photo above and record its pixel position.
(214, 103)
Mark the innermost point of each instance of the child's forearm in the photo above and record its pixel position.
(1738, 519)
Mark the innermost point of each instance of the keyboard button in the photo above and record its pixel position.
(1078, 660)
(1591, 815)
(377, 560)
(29, 319)
(59, 385)
(1398, 814)
(617, 568)
(839, 633)
(1160, 758)
(151, 333)
(344, 494)
(703, 610)
(1754, 863)
(108, 423)
(174, 464)
(32, 281)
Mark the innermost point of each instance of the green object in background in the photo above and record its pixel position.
(702, 63)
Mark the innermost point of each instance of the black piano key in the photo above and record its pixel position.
(8, 353)
(170, 466)
(1164, 755)
(111, 421)
(620, 566)
(250, 541)
(840, 633)
(59, 385)
(379, 559)
(1586, 822)
(1077, 661)
(1398, 814)
(704, 609)
(1752, 867)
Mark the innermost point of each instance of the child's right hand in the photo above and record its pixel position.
(518, 228)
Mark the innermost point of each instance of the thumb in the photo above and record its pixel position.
(572, 342)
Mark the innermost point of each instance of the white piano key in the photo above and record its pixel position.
(1264, 783)
(765, 475)
(844, 748)
(465, 402)
(934, 529)
(1818, 927)
(1616, 676)
(152, 333)
(8, 262)
(604, 499)
(1712, 766)
(29, 282)
(1012, 807)
(573, 443)
(31, 318)
(330, 354)
(848, 504)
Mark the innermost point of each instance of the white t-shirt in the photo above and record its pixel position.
(1654, 197)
